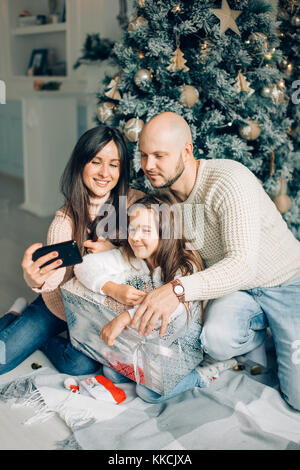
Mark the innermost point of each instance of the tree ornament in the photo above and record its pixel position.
(205, 48)
(269, 56)
(142, 77)
(105, 111)
(281, 84)
(113, 92)
(227, 17)
(266, 91)
(189, 95)
(178, 62)
(289, 68)
(277, 95)
(282, 201)
(243, 85)
(140, 55)
(250, 131)
(274, 92)
(286, 66)
(176, 9)
(133, 128)
(296, 21)
(135, 22)
(258, 41)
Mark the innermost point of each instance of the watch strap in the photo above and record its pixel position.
(180, 297)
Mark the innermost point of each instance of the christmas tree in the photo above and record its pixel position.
(289, 17)
(216, 63)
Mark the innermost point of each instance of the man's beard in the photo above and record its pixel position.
(171, 181)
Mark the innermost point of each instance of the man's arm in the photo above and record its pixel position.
(239, 217)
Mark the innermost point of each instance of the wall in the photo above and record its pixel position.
(87, 16)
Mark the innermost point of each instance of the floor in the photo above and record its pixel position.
(18, 230)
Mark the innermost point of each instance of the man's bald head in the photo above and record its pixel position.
(171, 127)
(166, 150)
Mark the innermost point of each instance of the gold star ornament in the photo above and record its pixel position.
(227, 18)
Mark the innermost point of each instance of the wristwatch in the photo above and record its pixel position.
(178, 290)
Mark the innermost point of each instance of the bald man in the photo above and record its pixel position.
(252, 275)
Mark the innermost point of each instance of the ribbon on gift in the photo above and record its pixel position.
(141, 348)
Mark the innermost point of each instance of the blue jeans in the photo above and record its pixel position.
(36, 328)
(192, 380)
(236, 324)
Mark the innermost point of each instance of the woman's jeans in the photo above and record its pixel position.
(236, 324)
(34, 329)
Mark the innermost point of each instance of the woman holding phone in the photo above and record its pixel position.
(96, 174)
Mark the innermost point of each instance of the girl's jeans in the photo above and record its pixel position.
(192, 380)
(236, 324)
(34, 329)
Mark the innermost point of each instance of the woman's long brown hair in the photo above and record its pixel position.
(76, 194)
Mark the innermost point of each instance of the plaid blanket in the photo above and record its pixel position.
(237, 411)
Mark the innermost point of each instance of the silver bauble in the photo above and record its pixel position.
(105, 111)
(266, 91)
(133, 129)
(142, 77)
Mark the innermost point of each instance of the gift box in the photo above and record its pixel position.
(158, 363)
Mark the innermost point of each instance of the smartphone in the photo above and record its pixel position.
(68, 252)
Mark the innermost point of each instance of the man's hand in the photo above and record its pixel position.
(113, 329)
(157, 305)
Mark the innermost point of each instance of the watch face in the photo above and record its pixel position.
(178, 290)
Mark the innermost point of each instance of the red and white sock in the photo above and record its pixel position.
(101, 388)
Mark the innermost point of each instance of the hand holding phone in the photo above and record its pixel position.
(39, 263)
(68, 252)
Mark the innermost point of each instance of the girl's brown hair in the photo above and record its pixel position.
(172, 254)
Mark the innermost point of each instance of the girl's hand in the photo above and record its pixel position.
(113, 329)
(123, 293)
(33, 274)
(99, 246)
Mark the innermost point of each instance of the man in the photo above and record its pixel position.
(252, 259)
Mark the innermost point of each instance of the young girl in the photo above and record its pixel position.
(97, 173)
(152, 248)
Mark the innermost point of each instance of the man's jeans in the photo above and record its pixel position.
(236, 324)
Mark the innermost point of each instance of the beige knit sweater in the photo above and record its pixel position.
(242, 238)
(61, 230)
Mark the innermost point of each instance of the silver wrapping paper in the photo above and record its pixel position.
(158, 363)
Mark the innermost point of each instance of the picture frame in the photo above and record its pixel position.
(38, 62)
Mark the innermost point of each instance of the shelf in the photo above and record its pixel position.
(39, 29)
(48, 78)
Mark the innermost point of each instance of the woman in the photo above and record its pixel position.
(97, 173)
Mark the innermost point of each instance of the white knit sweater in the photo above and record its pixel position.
(243, 239)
